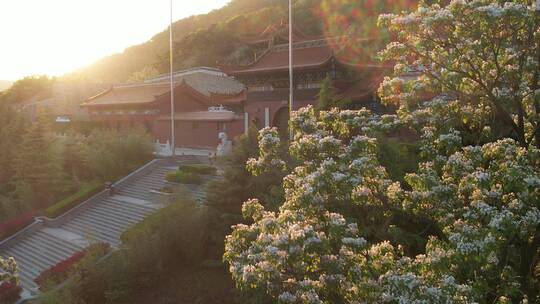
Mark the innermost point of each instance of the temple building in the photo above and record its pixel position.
(314, 58)
(206, 102)
(209, 101)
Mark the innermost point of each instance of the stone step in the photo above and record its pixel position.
(135, 192)
(131, 214)
(111, 209)
(139, 193)
(116, 212)
(154, 179)
(146, 185)
(109, 223)
(28, 264)
(40, 251)
(104, 221)
(91, 232)
(28, 282)
(32, 263)
(147, 182)
(62, 243)
(138, 206)
(100, 225)
(153, 176)
(50, 251)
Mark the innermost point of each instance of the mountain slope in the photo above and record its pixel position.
(118, 67)
(218, 36)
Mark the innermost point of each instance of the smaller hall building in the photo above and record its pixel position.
(206, 103)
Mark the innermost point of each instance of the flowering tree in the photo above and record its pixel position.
(480, 58)
(486, 200)
(331, 241)
(316, 249)
(306, 251)
(9, 270)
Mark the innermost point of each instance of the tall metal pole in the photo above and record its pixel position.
(171, 62)
(291, 78)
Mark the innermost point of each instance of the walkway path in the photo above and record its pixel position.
(103, 218)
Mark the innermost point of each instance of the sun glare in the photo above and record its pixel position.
(57, 36)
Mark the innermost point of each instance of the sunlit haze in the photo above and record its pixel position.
(57, 36)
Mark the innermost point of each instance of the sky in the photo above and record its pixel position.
(55, 37)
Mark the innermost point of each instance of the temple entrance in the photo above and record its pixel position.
(281, 122)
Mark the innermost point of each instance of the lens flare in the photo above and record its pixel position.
(352, 24)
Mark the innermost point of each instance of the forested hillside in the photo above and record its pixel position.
(189, 32)
(219, 35)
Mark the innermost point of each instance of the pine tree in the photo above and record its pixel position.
(74, 156)
(328, 97)
(38, 172)
(11, 128)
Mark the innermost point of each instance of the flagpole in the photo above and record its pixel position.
(173, 146)
(291, 78)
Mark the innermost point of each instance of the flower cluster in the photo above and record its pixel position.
(478, 58)
(456, 68)
(309, 252)
(269, 151)
(484, 201)
(9, 272)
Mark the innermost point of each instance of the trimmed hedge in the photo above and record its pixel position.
(60, 272)
(85, 192)
(15, 224)
(198, 169)
(183, 177)
(171, 177)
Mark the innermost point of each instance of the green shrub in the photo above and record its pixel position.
(198, 169)
(189, 178)
(184, 177)
(62, 295)
(159, 247)
(172, 177)
(85, 192)
(175, 232)
(112, 154)
(238, 185)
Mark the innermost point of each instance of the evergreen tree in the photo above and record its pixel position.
(74, 158)
(328, 97)
(12, 127)
(38, 172)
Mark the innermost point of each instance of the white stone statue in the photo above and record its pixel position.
(225, 146)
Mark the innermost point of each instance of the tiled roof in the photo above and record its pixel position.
(129, 94)
(204, 80)
(202, 116)
(278, 60)
(203, 83)
(207, 84)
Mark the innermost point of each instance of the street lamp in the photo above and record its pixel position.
(172, 81)
(291, 78)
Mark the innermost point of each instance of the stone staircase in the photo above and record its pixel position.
(103, 218)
